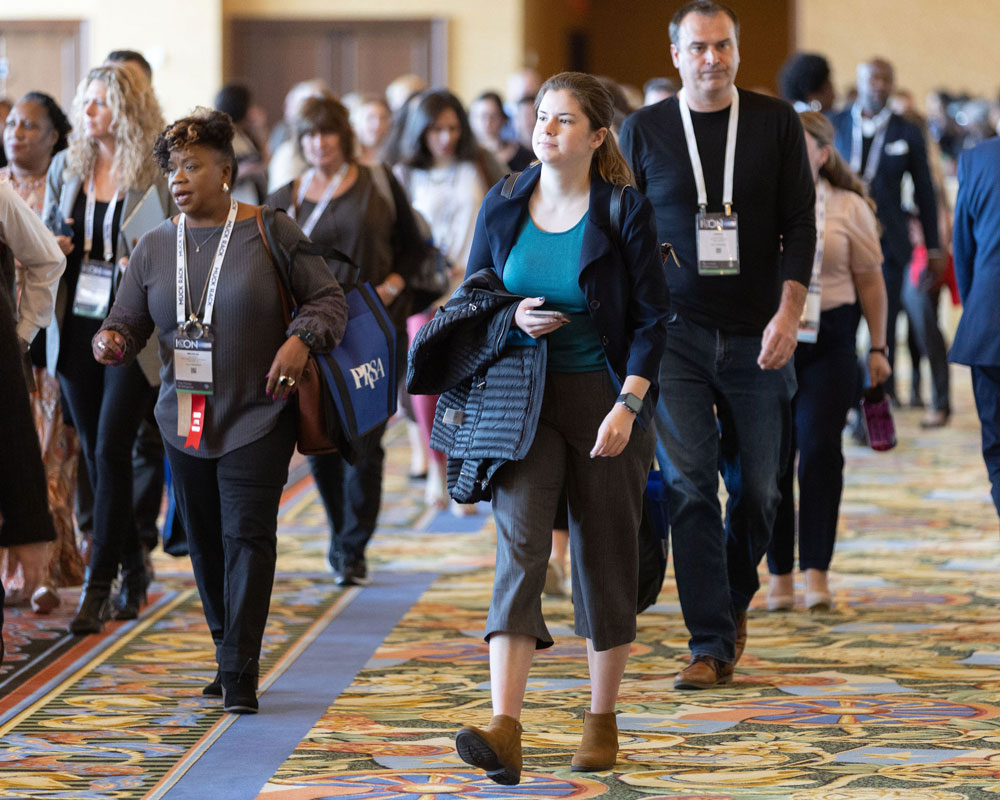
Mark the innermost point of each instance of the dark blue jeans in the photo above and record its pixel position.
(229, 506)
(352, 496)
(826, 374)
(986, 388)
(720, 412)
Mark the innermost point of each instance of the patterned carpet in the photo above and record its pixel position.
(894, 694)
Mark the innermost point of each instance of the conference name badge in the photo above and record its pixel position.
(93, 289)
(193, 363)
(718, 244)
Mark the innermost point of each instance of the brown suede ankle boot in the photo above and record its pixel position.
(496, 749)
(599, 747)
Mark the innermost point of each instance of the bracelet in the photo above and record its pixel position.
(305, 336)
(884, 350)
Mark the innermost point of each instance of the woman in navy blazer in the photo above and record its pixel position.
(596, 299)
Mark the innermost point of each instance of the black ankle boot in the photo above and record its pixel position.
(94, 609)
(239, 691)
(131, 597)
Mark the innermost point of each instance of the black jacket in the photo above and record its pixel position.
(491, 390)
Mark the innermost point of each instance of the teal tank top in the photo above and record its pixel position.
(543, 264)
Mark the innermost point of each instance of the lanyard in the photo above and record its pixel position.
(692, 145)
(821, 185)
(88, 223)
(880, 123)
(213, 278)
(324, 200)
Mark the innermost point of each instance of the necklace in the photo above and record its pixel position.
(198, 245)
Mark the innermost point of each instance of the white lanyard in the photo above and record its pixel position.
(324, 200)
(88, 223)
(880, 123)
(692, 145)
(213, 278)
(820, 228)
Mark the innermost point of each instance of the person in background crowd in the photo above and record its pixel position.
(363, 212)
(25, 523)
(36, 129)
(5, 107)
(229, 471)
(446, 175)
(92, 186)
(235, 100)
(148, 457)
(622, 106)
(488, 120)
(523, 119)
(552, 242)
(371, 120)
(726, 381)
(131, 58)
(805, 82)
(656, 89)
(977, 270)
(401, 89)
(881, 147)
(850, 262)
(286, 160)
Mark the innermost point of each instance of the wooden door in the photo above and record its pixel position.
(44, 55)
(270, 56)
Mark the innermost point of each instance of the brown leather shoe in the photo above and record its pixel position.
(599, 747)
(704, 672)
(495, 748)
(741, 637)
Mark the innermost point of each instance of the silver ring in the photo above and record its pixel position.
(100, 346)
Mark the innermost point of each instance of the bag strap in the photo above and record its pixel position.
(508, 185)
(280, 273)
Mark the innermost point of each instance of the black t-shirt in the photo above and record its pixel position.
(773, 196)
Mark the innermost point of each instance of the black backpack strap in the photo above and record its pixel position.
(508, 185)
(616, 210)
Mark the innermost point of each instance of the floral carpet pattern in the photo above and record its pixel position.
(895, 693)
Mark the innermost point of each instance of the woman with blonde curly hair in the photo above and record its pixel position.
(104, 175)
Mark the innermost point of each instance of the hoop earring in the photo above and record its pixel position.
(225, 187)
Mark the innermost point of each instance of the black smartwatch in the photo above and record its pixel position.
(632, 402)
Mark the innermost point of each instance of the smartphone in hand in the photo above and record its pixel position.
(545, 313)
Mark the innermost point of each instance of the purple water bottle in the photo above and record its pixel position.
(878, 418)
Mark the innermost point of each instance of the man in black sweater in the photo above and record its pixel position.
(728, 176)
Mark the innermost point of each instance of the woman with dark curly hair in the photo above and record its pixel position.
(93, 185)
(206, 282)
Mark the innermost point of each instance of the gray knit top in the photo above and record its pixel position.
(248, 323)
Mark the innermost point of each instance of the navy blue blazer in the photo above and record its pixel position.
(977, 255)
(904, 151)
(621, 274)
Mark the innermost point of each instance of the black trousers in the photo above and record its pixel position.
(826, 379)
(24, 502)
(107, 404)
(352, 496)
(229, 507)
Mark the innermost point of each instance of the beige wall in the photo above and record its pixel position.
(932, 43)
(485, 37)
(182, 40)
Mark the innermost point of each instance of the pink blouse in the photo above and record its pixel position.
(852, 246)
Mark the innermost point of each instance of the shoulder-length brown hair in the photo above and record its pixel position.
(136, 119)
(598, 106)
(835, 169)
